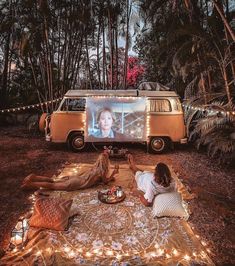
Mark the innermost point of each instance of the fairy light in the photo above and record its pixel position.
(148, 118)
(48, 250)
(208, 109)
(156, 245)
(203, 243)
(38, 253)
(109, 252)
(203, 254)
(160, 252)
(100, 253)
(208, 250)
(88, 254)
(118, 256)
(67, 249)
(175, 252)
(153, 254)
(29, 106)
(186, 257)
(72, 254)
(96, 251)
(75, 170)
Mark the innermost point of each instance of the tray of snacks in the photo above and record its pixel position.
(112, 195)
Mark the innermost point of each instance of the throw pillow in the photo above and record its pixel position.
(51, 213)
(169, 204)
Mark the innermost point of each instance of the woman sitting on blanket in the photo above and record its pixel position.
(98, 173)
(150, 183)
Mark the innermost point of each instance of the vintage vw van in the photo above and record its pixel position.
(154, 118)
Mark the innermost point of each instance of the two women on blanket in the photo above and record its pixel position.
(148, 183)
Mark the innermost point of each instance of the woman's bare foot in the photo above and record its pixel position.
(116, 168)
(130, 160)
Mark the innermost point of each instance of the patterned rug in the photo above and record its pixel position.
(119, 234)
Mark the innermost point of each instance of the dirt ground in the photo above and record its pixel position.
(212, 215)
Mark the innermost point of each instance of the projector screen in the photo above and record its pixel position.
(115, 119)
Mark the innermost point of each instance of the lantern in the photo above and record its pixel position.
(19, 233)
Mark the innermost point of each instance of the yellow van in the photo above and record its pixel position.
(154, 118)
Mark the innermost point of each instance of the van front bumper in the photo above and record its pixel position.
(184, 141)
(48, 138)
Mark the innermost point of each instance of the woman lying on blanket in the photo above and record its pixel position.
(150, 183)
(98, 173)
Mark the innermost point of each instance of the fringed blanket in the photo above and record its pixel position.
(121, 234)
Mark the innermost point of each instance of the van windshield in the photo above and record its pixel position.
(73, 105)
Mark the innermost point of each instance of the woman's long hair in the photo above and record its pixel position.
(164, 173)
(100, 167)
(102, 164)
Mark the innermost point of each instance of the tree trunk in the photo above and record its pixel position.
(88, 64)
(209, 80)
(128, 10)
(229, 50)
(104, 58)
(110, 48)
(202, 81)
(116, 55)
(3, 91)
(226, 24)
(98, 55)
(227, 86)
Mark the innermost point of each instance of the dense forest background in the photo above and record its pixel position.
(48, 47)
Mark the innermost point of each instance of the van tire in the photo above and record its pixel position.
(76, 142)
(158, 144)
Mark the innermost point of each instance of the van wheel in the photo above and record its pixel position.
(76, 142)
(158, 144)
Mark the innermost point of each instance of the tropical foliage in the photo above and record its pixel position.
(48, 47)
(190, 46)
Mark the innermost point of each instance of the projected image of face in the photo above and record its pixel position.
(115, 119)
(105, 121)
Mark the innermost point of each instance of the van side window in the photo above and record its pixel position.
(159, 105)
(177, 105)
(73, 105)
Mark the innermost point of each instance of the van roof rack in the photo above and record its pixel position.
(120, 93)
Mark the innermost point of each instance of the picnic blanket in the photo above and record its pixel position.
(119, 234)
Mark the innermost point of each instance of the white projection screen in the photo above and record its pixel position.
(115, 119)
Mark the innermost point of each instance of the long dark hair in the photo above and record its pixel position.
(164, 173)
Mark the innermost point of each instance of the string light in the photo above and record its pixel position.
(109, 252)
(119, 256)
(186, 257)
(175, 252)
(67, 249)
(203, 243)
(88, 254)
(208, 109)
(29, 106)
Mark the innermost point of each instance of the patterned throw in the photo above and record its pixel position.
(51, 213)
(119, 235)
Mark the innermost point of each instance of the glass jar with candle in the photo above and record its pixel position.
(19, 233)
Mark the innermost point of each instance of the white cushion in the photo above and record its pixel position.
(169, 204)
